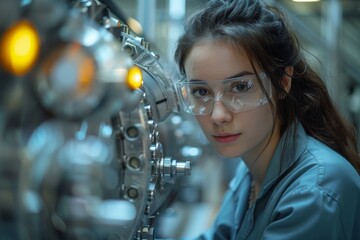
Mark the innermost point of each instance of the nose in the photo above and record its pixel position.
(220, 114)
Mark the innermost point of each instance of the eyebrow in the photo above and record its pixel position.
(240, 74)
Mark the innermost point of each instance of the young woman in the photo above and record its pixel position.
(257, 98)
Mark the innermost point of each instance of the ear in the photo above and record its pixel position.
(287, 78)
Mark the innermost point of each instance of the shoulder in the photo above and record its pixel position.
(330, 170)
(322, 172)
(324, 182)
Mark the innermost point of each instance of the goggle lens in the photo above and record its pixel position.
(237, 94)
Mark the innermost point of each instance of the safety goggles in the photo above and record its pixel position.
(237, 94)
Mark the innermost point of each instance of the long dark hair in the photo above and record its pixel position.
(270, 43)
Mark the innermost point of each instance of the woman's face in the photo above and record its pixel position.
(244, 134)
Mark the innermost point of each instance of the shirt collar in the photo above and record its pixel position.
(291, 145)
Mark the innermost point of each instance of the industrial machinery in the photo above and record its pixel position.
(81, 100)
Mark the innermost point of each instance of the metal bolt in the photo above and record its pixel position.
(132, 132)
(132, 193)
(135, 162)
(130, 49)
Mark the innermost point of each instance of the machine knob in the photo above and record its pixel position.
(171, 168)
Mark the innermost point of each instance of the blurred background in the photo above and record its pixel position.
(329, 33)
(92, 139)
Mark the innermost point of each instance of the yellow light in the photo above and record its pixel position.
(19, 48)
(134, 78)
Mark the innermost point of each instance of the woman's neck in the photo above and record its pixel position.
(258, 164)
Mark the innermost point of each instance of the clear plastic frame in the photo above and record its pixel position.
(238, 94)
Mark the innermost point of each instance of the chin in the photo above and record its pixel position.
(228, 153)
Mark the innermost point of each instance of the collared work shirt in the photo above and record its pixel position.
(309, 192)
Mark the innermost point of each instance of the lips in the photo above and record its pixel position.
(226, 138)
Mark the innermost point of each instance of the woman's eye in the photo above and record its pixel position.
(241, 87)
(200, 92)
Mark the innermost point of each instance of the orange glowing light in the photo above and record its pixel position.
(86, 67)
(83, 70)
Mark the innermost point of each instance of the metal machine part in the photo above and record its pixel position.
(161, 101)
(86, 71)
(91, 165)
(160, 90)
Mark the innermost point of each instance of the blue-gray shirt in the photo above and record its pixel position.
(309, 192)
